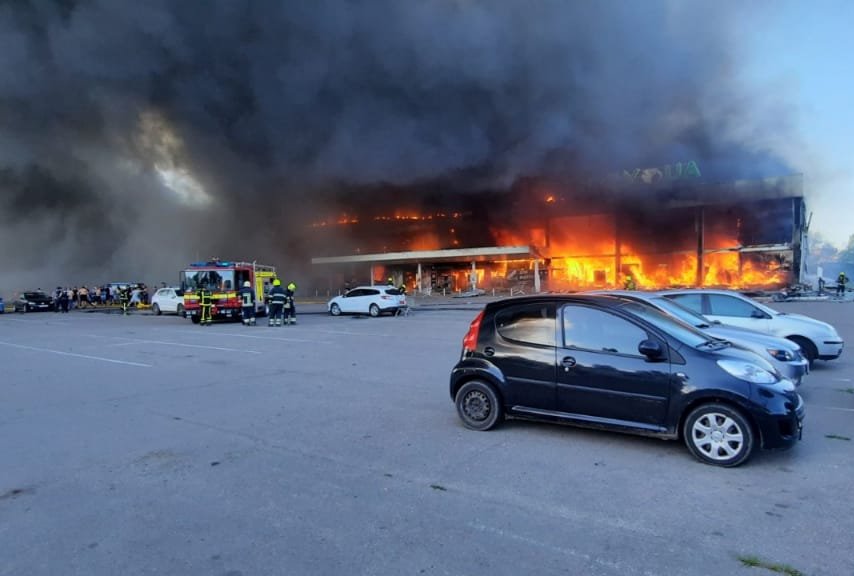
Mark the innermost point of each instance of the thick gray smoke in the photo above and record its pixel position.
(135, 136)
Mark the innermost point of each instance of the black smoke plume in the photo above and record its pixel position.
(135, 136)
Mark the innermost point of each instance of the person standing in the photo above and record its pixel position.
(247, 303)
(290, 304)
(205, 305)
(124, 299)
(64, 296)
(277, 303)
(841, 280)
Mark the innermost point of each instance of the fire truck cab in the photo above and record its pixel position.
(224, 280)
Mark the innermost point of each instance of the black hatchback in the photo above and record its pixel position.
(34, 302)
(612, 363)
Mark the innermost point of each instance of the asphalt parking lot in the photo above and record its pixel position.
(148, 445)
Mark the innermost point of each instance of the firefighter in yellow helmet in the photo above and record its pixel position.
(841, 280)
(290, 305)
(247, 303)
(205, 304)
(277, 303)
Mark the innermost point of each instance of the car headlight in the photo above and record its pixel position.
(781, 355)
(747, 371)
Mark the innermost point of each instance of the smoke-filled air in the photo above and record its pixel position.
(136, 137)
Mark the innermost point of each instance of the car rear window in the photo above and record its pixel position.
(531, 323)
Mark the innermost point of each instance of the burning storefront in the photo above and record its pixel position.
(650, 230)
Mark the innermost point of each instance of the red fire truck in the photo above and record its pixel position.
(224, 280)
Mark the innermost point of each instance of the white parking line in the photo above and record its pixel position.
(810, 406)
(130, 341)
(61, 353)
(232, 335)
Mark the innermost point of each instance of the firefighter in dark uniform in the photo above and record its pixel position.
(124, 298)
(841, 280)
(277, 303)
(247, 303)
(290, 305)
(205, 305)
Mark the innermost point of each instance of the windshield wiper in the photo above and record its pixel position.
(715, 344)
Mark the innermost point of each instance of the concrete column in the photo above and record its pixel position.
(372, 274)
(537, 275)
(418, 285)
(700, 228)
(473, 275)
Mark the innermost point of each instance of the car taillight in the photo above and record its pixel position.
(470, 339)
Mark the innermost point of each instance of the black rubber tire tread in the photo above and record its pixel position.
(807, 347)
(482, 391)
(335, 310)
(374, 310)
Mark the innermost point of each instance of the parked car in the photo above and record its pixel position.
(612, 363)
(33, 302)
(370, 300)
(783, 354)
(2, 306)
(818, 340)
(168, 300)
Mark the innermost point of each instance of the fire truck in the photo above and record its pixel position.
(224, 280)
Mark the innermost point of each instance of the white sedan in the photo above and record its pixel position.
(168, 300)
(370, 300)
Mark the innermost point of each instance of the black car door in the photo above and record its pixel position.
(523, 348)
(601, 376)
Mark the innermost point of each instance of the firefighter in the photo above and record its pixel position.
(277, 303)
(290, 305)
(841, 280)
(630, 283)
(205, 306)
(390, 281)
(247, 303)
(124, 298)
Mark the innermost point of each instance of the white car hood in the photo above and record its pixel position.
(737, 334)
(806, 320)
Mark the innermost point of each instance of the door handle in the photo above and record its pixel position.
(489, 351)
(568, 362)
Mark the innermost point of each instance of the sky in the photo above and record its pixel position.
(804, 53)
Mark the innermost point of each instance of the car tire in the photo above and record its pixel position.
(335, 310)
(478, 406)
(374, 310)
(719, 434)
(808, 349)
(196, 319)
(156, 309)
(179, 310)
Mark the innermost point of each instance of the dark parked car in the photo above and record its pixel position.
(612, 363)
(33, 302)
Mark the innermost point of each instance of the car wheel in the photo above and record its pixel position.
(196, 319)
(156, 309)
(718, 434)
(335, 310)
(179, 310)
(374, 310)
(478, 405)
(807, 348)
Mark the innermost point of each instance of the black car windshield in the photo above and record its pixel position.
(680, 330)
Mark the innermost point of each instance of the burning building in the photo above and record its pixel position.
(651, 228)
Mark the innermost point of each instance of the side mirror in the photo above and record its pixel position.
(758, 314)
(652, 349)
